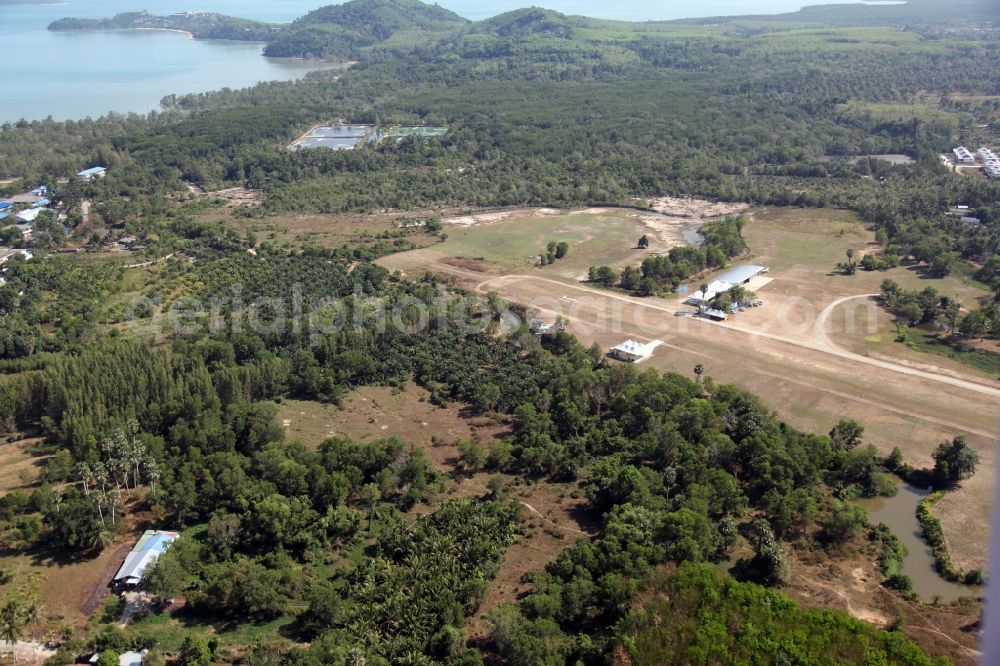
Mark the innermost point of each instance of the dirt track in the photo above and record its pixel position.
(822, 344)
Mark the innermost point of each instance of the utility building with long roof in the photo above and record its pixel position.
(145, 552)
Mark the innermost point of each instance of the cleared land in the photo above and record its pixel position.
(335, 230)
(20, 463)
(511, 241)
(777, 351)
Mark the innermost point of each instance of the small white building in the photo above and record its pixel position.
(7, 253)
(540, 327)
(963, 155)
(129, 658)
(631, 351)
(92, 173)
(28, 215)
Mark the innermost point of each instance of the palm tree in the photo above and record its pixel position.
(152, 472)
(84, 471)
(12, 624)
(32, 616)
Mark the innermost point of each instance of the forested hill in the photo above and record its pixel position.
(200, 24)
(532, 21)
(339, 30)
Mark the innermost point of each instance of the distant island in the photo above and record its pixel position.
(202, 25)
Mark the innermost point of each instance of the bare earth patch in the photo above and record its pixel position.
(238, 196)
(20, 464)
(696, 208)
(853, 584)
(479, 219)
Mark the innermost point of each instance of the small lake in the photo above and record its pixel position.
(899, 513)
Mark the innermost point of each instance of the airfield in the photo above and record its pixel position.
(804, 352)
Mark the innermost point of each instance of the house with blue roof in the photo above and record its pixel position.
(145, 552)
(6, 205)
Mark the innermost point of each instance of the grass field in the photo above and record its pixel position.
(331, 230)
(511, 242)
(805, 245)
(20, 463)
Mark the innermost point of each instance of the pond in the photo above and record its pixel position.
(692, 235)
(899, 513)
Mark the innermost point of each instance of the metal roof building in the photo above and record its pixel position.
(630, 350)
(130, 658)
(4, 205)
(7, 253)
(146, 551)
(29, 215)
(718, 315)
(88, 174)
(714, 289)
(725, 282)
(741, 274)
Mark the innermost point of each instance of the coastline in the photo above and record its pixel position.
(190, 35)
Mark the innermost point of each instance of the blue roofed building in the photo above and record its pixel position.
(41, 203)
(6, 205)
(145, 552)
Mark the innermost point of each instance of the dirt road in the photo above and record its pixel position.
(822, 344)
